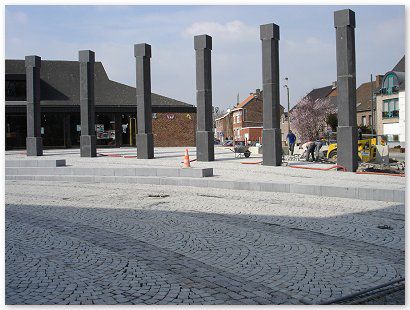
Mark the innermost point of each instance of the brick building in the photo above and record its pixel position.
(363, 99)
(223, 127)
(244, 121)
(364, 102)
(174, 122)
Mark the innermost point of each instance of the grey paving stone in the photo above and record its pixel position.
(113, 244)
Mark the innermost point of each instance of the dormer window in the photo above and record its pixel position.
(390, 84)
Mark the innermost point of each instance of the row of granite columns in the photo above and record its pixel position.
(344, 22)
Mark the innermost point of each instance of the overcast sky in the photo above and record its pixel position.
(307, 45)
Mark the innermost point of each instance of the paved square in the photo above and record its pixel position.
(78, 243)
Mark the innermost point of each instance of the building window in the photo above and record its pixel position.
(392, 138)
(15, 90)
(364, 123)
(390, 84)
(370, 120)
(390, 108)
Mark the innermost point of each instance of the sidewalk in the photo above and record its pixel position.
(230, 173)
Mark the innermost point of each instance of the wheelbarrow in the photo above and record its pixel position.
(241, 150)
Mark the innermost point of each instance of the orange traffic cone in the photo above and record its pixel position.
(187, 163)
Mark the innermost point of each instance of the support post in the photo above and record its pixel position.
(118, 129)
(347, 154)
(34, 142)
(67, 130)
(204, 133)
(271, 133)
(87, 101)
(144, 137)
(372, 113)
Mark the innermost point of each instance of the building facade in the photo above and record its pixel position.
(364, 103)
(391, 105)
(174, 122)
(244, 121)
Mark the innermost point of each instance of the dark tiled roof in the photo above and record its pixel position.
(249, 99)
(59, 85)
(364, 97)
(320, 93)
(400, 67)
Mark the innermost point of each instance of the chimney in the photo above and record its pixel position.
(379, 79)
(257, 93)
(334, 84)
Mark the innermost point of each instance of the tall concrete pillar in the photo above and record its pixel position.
(204, 133)
(34, 142)
(271, 134)
(144, 137)
(344, 22)
(87, 104)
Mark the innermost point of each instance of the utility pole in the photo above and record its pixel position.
(287, 89)
(372, 114)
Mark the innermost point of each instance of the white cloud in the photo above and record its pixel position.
(231, 31)
(307, 55)
(19, 17)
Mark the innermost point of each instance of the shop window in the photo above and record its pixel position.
(16, 131)
(15, 90)
(105, 129)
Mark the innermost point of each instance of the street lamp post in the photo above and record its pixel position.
(287, 90)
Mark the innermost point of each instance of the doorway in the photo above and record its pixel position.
(129, 129)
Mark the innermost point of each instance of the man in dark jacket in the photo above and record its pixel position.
(291, 139)
(310, 150)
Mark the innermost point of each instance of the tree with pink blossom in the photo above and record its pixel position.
(308, 117)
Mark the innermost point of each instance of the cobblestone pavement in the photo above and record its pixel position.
(394, 298)
(76, 243)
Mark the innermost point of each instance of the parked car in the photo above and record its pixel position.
(228, 143)
(217, 141)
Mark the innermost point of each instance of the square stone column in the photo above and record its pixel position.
(87, 104)
(144, 137)
(271, 134)
(34, 142)
(347, 155)
(204, 134)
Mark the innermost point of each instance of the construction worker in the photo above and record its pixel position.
(311, 146)
(318, 146)
(360, 134)
(291, 141)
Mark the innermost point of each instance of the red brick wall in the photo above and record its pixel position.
(254, 113)
(254, 133)
(178, 129)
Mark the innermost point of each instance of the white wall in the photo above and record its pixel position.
(402, 116)
(391, 129)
